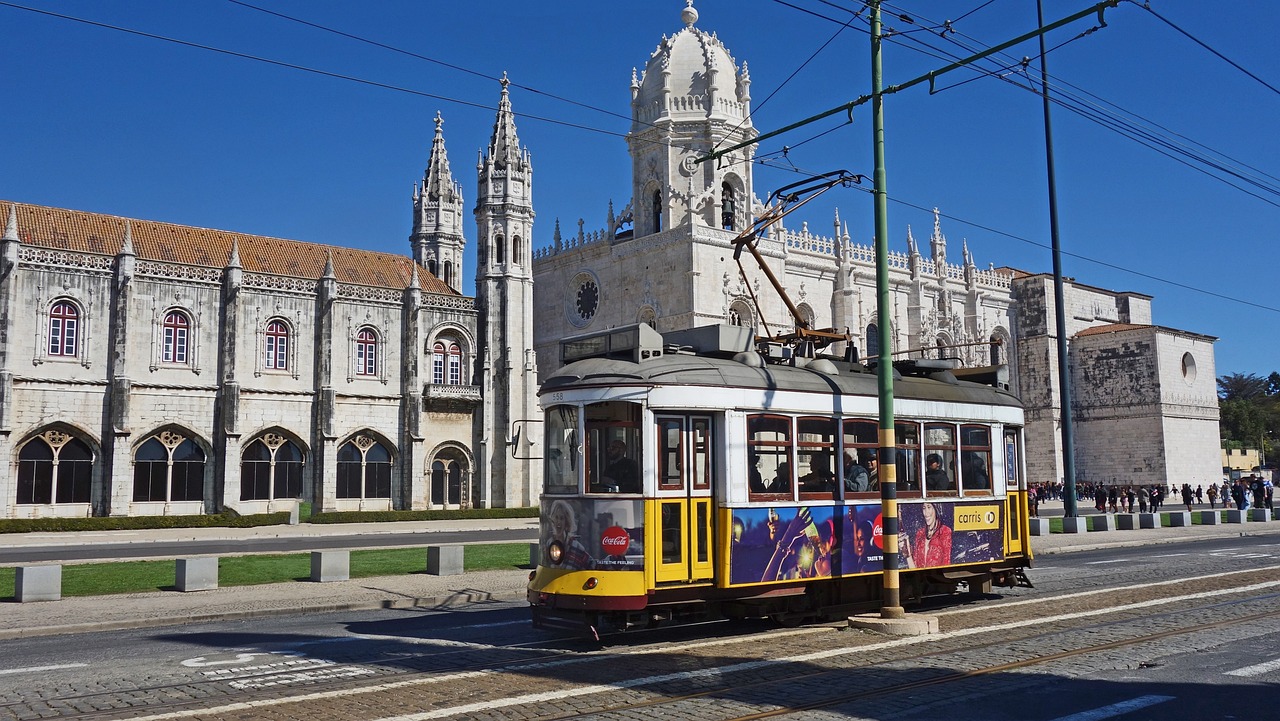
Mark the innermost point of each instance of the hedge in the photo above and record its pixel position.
(443, 515)
(224, 520)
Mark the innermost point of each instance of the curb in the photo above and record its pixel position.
(453, 600)
(1128, 543)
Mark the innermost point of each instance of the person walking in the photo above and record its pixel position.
(1187, 495)
(1213, 496)
(1113, 496)
(1144, 499)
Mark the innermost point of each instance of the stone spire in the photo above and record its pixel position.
(938, 243)
(437, 182)
(126, 247)
(328, 265)
(504, 146)
(11, 226)
(438, 240)
(233, 261)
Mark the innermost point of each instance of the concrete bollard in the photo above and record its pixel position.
(1075, 525)
(196, 574)
(1039, 526)
(295, 513)
(38, 583)
(1181, 519)
(444, 560)
(1235, 515)
(535, 555)
(1210, 518)
(1127, 521)
(1102, 522)
(1148, 520)
(1259, 514)
(327, 566)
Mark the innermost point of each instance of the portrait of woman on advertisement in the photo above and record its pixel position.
(930, 544)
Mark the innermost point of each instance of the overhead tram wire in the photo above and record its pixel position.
(1147, 6)
(761, 161)
(426, 58)
(314, 71)
(1123, 126)
(1106, 119)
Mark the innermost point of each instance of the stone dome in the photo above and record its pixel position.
(691, 75)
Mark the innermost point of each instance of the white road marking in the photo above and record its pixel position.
(632, 683)
(1256, 670)
(1116, 709)
(1103, 563)
(36, 669)
(1171, 555)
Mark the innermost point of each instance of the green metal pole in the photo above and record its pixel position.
(891, 599)
(1059, 301)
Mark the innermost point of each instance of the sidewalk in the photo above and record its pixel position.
(163, 608)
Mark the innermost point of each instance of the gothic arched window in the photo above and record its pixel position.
(64, 325)
(447, 473)
(873, 340)
(277, 345)
(941, 344)
(657, 211)
(168, 467)
(515, 249)
(448, 273)
(54, 468)
(270, 469)
(366, 353)
(364, 469)
(499, 250)
(995, 350)
(177, 327)
(728, 207)
(431, 266)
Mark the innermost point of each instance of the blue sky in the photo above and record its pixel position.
(100, 120)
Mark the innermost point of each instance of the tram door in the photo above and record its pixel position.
(1016, 493)
(683, 510)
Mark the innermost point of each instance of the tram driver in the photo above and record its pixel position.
(621, 475)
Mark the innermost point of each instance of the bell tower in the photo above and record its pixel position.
(509, 438)
(691, 99)
(437, 239)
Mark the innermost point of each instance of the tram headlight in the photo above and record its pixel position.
(555, 552)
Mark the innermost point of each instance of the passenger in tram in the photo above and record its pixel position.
(621, 475)
(935, 478)
(819, 478)
(755, 482)
(856, 479)
(873, 472)
(975, 472)
(781, 482)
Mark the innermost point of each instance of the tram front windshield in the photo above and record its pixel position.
(609, 458)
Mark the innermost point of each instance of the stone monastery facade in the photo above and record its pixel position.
(149, 368)
(666, 259)
(156, 369)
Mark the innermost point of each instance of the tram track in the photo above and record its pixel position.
(651, 681)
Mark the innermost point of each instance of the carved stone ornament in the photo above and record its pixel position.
(55, 439)
(170, 439)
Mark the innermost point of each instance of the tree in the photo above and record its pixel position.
(1240, 386)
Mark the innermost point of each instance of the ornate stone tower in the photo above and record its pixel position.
(691, 99)
(437, 217)
(508, 434)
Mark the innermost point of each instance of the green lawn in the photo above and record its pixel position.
(98, 579)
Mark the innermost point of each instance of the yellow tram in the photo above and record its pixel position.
(689, 475)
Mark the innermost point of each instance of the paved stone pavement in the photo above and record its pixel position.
(141, 610)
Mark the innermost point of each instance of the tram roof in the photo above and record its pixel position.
(682, 369)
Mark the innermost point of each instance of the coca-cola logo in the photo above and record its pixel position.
(615, 540)
(877, 531)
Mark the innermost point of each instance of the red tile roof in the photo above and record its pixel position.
(1110, 328)
(76, 230)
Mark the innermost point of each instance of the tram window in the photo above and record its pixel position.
(907, 439)
(975, 458)
(560, 472)
(940, 459)
(613, 447)
(860, 467)
(701, 428)
(769, 456)
(670, 453)
(816, 439)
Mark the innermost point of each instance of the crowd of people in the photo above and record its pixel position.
(1246, 492)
